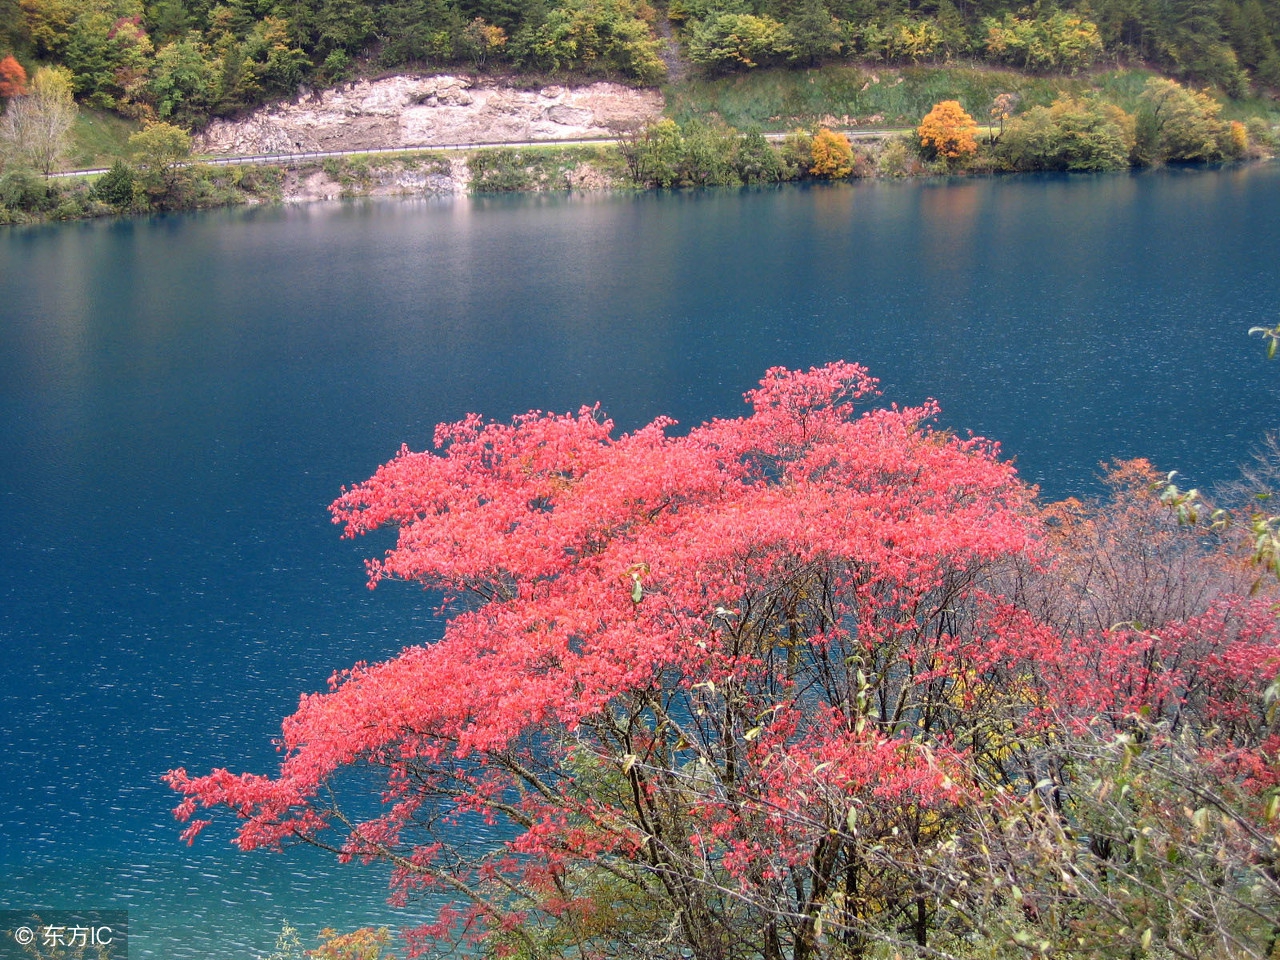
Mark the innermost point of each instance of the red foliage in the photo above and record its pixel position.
(13, 79)
(716, 662)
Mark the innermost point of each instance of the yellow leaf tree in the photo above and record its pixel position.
(832, 155)
(949, 130)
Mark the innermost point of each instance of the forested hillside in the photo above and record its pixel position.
(188, 60)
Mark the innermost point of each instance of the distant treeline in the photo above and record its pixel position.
(1171, 124)
(189, 60)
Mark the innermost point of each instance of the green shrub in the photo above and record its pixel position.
(1177, 125)
(756, 161)
(261, 181)
(71, 207)
(653, 153)
(1055, 41)
(597, 37)
(706, 156)
(116, 186)
(24, 189)
(536, 168)
(501, 171)
(699, 154)
(337, 66)
(1261, 135)
(729, 41)
(1071, 135)
(898, 158)
(796, 155)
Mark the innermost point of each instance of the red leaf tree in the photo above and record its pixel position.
(13, 78)
(754, 691)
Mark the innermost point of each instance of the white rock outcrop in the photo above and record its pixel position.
(418, 111)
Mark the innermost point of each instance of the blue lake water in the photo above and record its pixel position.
(181, 397)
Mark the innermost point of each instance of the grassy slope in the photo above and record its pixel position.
(776, 100)
(98, 139)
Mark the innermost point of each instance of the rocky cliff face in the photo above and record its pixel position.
(414, 111)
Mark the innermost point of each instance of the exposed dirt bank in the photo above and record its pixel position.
(393, 178)
(417, 111)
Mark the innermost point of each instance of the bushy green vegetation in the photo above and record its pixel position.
(132, 188)
(698, 154)
(539, 168)
(1170, 124)
(1071, 134)
(1088, 131)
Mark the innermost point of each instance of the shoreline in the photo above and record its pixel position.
(426, 175)
(416, 135)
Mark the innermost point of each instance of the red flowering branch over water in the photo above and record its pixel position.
(786, 685)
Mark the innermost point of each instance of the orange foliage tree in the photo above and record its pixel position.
(832, 155)
(13, 79)
(949, 131)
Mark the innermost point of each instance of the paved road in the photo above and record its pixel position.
(290, 159)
